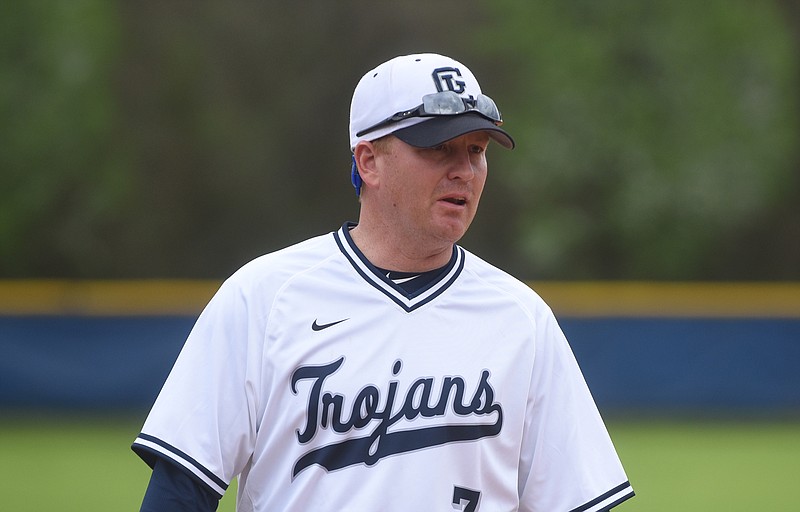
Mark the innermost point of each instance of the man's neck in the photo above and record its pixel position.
(385, 251)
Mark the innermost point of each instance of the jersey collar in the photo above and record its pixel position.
(372, 275)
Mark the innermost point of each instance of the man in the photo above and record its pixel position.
(382, 367)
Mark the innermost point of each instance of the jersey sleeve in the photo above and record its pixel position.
(568, 461)
(204, 417)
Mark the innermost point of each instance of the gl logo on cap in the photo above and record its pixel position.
(444, 79)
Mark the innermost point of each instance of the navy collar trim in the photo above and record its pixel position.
(372, 275)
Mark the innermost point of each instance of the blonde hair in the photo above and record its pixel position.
(382, 144)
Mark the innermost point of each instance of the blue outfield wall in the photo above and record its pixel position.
(655, 349)
(85, 362)
(701, 365)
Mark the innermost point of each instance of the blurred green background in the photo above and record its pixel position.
(76, 465)
(656, 141)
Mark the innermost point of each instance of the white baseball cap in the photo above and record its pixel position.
(423, 99)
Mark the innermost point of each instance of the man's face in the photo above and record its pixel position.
(430, 195)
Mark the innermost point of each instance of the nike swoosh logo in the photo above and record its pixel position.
(318, 327)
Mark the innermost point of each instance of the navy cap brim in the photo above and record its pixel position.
(438, 130)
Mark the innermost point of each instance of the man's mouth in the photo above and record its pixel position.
(459, 201)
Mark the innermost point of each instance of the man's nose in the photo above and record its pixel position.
(462, 165)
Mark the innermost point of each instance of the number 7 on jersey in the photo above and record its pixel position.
(465, 499)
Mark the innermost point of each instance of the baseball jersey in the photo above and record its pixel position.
(325, 386)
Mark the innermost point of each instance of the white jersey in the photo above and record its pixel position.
(325, 387)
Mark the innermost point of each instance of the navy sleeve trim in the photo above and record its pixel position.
(149, 448)
(608, 500)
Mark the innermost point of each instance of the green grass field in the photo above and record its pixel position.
(87, 465)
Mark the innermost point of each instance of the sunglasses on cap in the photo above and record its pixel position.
(445, 103)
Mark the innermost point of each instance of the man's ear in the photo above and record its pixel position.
(365, 157)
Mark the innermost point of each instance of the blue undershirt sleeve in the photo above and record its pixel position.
(172, 490)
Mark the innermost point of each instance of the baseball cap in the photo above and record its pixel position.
(423, 99)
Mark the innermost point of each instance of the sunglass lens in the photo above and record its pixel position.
(443, 103)
(487, 107)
